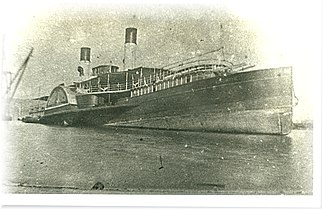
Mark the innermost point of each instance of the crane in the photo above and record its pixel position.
(13, 83)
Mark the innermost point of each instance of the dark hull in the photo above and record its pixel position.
(30, 119)
(245, 102)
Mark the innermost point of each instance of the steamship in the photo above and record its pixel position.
(198, 94)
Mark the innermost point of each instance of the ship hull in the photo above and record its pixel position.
(245, 102)
(256, 122)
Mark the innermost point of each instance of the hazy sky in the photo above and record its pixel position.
(269, 33)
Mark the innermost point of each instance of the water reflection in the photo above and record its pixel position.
(127, 160)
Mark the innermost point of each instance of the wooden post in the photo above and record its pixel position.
(108, 82)
(126, 80)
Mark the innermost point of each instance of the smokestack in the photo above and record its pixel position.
(131, 35)
(85, 61)
(85, 54)
(130, 48)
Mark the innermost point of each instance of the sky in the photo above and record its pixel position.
(266, 33)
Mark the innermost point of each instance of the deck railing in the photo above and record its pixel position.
(169, 82)
(176, 75)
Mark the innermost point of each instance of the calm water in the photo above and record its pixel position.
(51, 159)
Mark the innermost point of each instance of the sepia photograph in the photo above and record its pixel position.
(105, 98)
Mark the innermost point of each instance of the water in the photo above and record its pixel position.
(52, 159)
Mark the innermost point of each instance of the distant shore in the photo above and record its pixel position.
(303, 125)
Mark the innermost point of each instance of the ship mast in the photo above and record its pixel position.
(191, 58)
